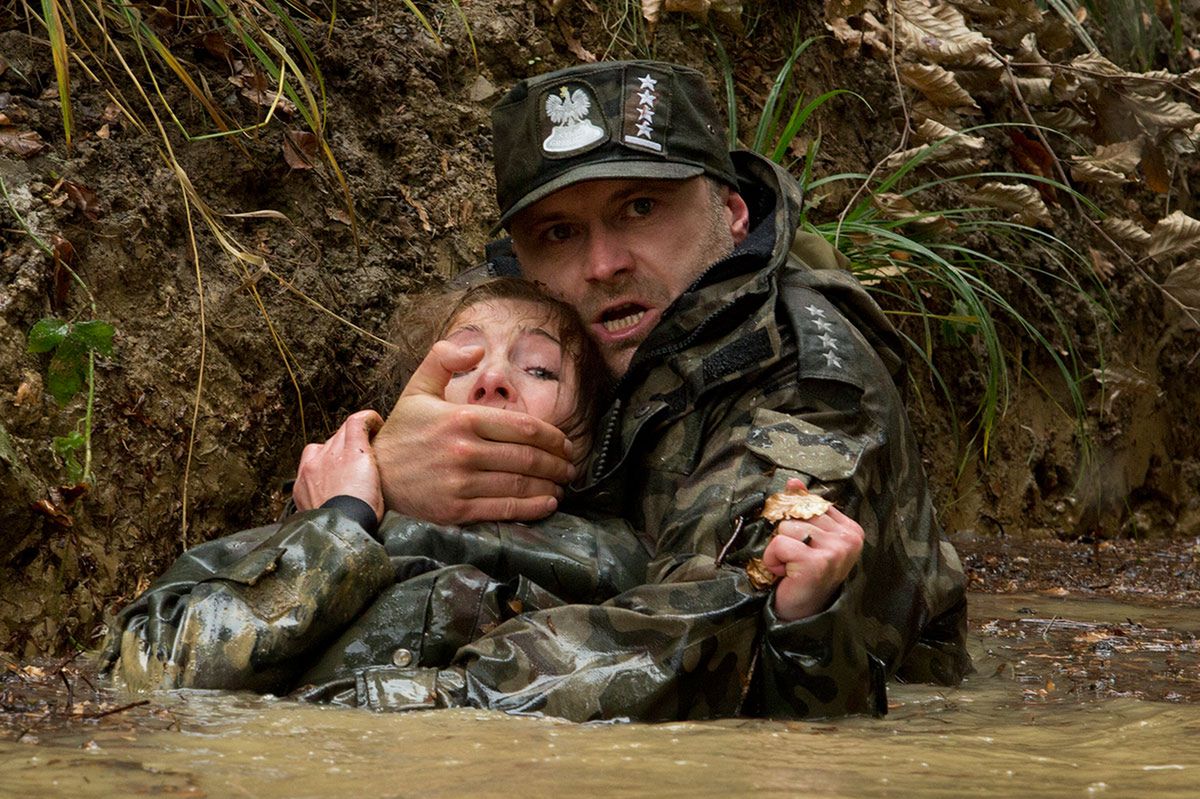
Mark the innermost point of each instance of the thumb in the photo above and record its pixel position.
(443, 360)
(361, 427)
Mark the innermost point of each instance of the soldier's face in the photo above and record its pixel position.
(621, 251)
(523, 367)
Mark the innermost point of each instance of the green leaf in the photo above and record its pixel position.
(96, 335)
(47, 334)
(65, 445)
(64, 378)
(67, 448)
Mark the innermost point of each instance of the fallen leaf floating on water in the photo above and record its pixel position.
(939, 33)
(1174, 235)
(1184, 285)
(794, 502)
(23, 143)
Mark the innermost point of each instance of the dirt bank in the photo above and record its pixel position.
(407, 120)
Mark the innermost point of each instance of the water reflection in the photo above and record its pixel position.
(1001, 734)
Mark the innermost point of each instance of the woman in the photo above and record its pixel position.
(338, 589)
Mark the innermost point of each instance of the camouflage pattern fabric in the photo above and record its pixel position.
(754, 376)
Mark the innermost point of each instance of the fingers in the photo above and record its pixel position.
(443, 360)
(512, 509)
(497, 424)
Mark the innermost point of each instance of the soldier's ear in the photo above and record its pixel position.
(739, 216)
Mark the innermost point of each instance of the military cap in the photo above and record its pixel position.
(614, 119)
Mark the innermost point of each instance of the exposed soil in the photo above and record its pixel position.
(408, 123)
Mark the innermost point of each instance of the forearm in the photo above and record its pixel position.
(248, 621)
(576, 559)
(657, 652)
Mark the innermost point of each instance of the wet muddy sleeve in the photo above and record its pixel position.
(252, 612)
(573, 558)
(657, 652)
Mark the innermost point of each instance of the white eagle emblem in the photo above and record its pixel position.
(572, 129)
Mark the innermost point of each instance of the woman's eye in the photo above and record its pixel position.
(542, 373)
(454, 375)
(642, 206)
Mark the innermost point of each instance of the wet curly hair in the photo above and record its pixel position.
(423, 319)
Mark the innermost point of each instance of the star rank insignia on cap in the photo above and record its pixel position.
(645, 110)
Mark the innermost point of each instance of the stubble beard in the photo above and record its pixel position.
(718, 244)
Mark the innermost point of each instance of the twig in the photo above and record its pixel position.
(1126, 76)
(120, 709)
(737, 529)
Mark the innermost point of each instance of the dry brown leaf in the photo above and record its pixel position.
(652, 10)
(300, 149)
(923, 109)
(574, 44)
(1184, 142)
(901, 208)
(872, 34)
(1176, 234)
(1028, 53)
(1062, 119)
(1112, 164)
(419, 208)
(794, 502)
(760, 576)
(1101, 265)
(1158, 112)
(938, 85)
(256, 88)
(1126, 231)
(1184, 285)
(23, 143)
(1018, 199)
(938, 33)
(1034, 91)
(1096, 65)
(930, 130)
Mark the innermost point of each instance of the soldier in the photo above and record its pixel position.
(743, 364)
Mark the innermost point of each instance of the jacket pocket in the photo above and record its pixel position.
(791, 443)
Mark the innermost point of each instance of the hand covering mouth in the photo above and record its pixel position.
(622, 317)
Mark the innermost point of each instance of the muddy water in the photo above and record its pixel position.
(1073, 698)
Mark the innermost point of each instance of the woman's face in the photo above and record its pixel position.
(523, 367)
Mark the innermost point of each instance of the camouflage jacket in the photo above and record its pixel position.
(766, 369)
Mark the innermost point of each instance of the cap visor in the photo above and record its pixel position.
(652, 170)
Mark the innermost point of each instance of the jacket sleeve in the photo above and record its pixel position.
(247, 611)
(575, 559)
